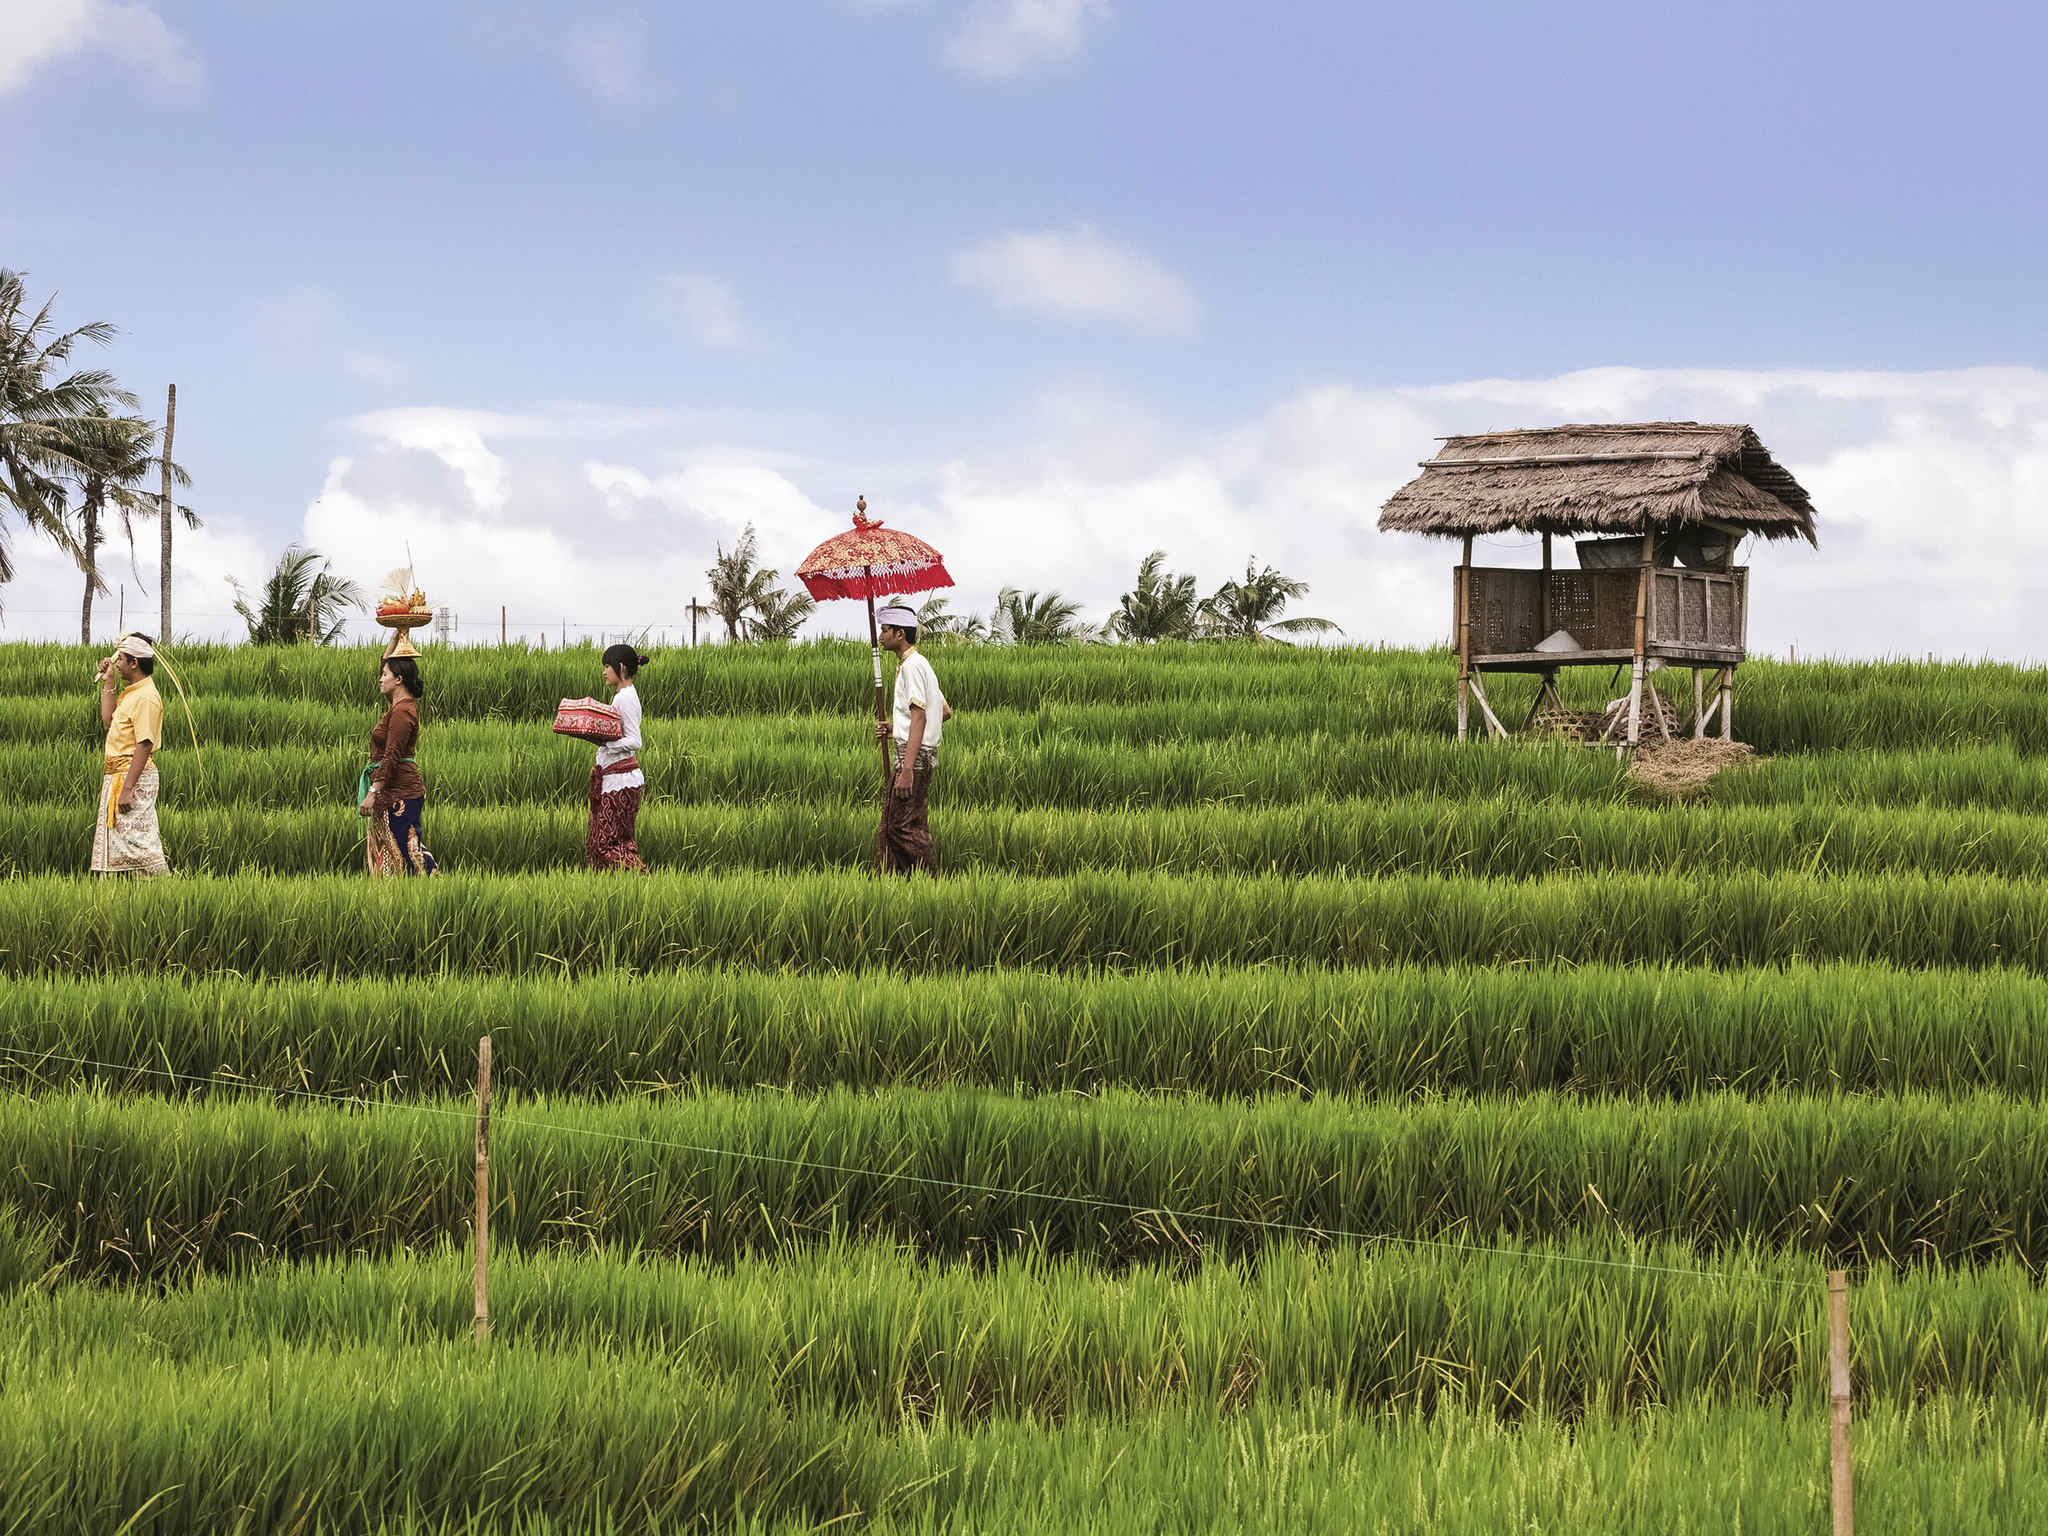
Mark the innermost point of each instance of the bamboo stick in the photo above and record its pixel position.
(1838, 1402)
(483, 1188)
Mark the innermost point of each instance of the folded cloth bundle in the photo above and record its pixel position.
(589, 719)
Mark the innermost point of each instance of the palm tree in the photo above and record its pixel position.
(113, 454)
(1250, 610)
(934, 623)
(41, 406)
(1034, 618)
(1163, 606)
(739, 585)
(299, 604)
(781, 615)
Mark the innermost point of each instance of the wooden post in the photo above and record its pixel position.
(1728, 705)
(1465, 641)
(501, 624)
(881, 710)
(693, 622)
(1699, 702)
(163, 578)
(1546, 619)
(1635, 691)
(483, 1187)
(1838, 1401)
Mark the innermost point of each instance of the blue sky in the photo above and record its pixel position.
(566, 296)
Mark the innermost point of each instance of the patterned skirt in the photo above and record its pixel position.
(614, 809)
(131, 845)
(395, 845)
(903, 844)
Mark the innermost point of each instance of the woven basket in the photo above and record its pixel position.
(588, 720)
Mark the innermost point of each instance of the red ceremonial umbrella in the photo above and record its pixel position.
(870, 562)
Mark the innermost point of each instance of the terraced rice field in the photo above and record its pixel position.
(1282, 1118)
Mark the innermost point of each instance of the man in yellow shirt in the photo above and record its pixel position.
(125, 840)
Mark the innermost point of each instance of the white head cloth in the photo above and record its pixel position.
(136, 646)
(897, 616)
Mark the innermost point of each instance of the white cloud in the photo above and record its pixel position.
(1006, 37)
(707, 309)
(608, 59)
(1079, 274)
(36, 33)
(608, 517)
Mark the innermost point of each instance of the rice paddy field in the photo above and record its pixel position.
(1280, 1118)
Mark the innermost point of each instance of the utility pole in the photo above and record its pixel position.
(163, 580)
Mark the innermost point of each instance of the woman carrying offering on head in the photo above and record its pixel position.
(615, 779)
(393, 795)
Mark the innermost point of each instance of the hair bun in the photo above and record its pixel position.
(641, 662)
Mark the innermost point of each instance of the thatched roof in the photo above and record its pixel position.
(1618, 478)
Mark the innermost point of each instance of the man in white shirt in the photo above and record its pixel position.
(904, 843)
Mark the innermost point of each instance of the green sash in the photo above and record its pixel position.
(363, 779)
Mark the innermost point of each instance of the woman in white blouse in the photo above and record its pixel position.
(616, 780)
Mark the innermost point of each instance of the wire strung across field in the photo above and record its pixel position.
(356, 1101)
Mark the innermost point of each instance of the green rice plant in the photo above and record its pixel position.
(696, 763)
(573, 923)
(1950, 1468)
(1228, 1034)
(279, 1445)
(823, 675)
(1781, 707)
(1505, 839)
(151, 1189)
(360, 1440)
(875, 1332)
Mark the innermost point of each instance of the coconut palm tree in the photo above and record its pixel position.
(113, 454)
(1250, 610)
(1035, 618)
(779, 614)
(935, 623)
(1163, 606)
(302, 602)
(42, 401)
(740, 585)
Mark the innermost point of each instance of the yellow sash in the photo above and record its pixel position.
(115, 765)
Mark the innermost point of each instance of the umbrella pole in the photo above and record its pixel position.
(875, 643)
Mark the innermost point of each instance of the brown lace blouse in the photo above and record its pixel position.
(397, 735)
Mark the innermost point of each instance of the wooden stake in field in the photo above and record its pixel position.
(870, 562)
(163, 632)
(1838, 1401)
(483, 1188)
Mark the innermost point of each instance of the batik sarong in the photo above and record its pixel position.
(127, 842)
(395, 845)
(614, 809)
(904, 843)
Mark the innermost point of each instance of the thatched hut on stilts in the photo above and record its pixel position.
(1657, 509)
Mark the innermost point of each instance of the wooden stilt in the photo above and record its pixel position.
(1728, 705)
(1699, 700)
(1635, 689)
(1465, 640)
(1546, 692)
(1479, 692)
